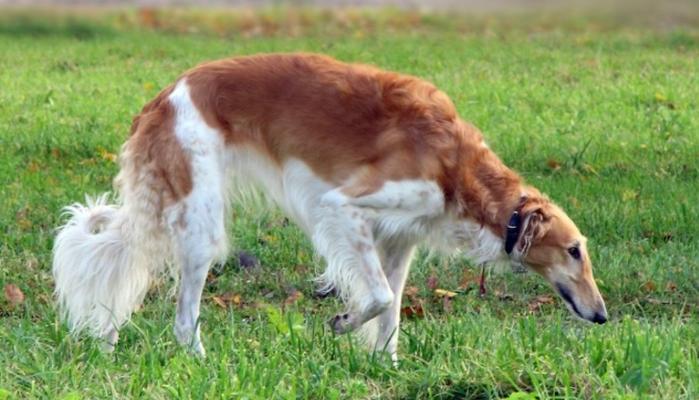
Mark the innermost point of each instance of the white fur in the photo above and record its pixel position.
(105, 255)
(197, 223)
(476, 242)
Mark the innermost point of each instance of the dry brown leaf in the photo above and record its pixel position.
(649, 286)
(227, 299)
(535, 305)
(413, 311)
(293, 297)
(553, 164)
(219, 302)
(410, 291)
(432, 282)
(671, 287)
(14, 294)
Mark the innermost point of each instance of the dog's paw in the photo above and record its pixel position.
(342, 323)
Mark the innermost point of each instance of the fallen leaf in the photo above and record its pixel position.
(227, 299)
(293, 297)
(444, 293)
(13, 294)
(553, 164)
(410, 291)
(535, 305)
(413, 311)
(432, 282)
(649, 286)
(219, 302)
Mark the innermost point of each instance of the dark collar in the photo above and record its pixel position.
(514, 226)
(513, 230)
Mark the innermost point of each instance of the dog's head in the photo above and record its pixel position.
(549, 243)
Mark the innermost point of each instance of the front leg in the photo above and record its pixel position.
(397, 211)
(343, 236)
(381, 333)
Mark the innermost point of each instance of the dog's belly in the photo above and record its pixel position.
(299, 193)
(293, 187)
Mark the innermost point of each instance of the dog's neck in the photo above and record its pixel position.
(485, 189)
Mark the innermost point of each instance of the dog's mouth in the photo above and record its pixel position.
(568, 298)
(566, 295)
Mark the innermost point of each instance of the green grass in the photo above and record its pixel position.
(604, 120)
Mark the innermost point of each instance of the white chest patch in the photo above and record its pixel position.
(476, 242)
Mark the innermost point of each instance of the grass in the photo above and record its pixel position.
(605, 120)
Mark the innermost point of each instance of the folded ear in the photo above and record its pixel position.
(536, 225)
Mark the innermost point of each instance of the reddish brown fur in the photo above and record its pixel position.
(159, 151)
(354, 122)
(357, 127)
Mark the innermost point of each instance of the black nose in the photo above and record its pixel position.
(599, 318)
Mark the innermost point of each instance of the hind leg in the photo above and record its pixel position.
(200, 240)
(193, 277)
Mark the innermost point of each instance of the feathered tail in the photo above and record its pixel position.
(104, 259)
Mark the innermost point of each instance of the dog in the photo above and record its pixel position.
(368, 163)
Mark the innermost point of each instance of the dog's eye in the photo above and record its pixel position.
(574, 252)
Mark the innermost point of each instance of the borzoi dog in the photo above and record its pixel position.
(368, 163)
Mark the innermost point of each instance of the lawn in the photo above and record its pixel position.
(603, 117)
